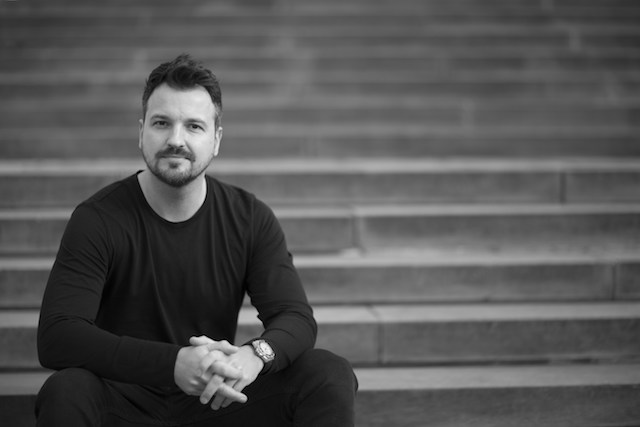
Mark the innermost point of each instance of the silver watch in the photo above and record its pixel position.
(263, 350)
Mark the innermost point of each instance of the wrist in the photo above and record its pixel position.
(263, 350)
(248, 348)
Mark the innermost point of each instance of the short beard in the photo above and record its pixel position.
(174, 178)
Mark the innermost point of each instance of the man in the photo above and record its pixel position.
(151, 273)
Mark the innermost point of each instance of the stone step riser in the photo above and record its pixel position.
(623, 118)
(375, 232)
(544, 86)
(392, 340)
(486, 397)
(432, 58)
(500, 233)
(35, 61)
(310, 37)
(321, 39)
(487, 407)
(458, 6)
(388, 283)
(332, 187)
(300, 15)
(108, 143)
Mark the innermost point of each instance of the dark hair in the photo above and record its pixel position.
(184, 73)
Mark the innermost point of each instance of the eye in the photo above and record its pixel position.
(159, 123)
(194, 126)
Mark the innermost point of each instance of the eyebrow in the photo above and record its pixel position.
(167, 118)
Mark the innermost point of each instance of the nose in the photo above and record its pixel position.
(176, 137)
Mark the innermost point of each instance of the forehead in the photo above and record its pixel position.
(191, 103)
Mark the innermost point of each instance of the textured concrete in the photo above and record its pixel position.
(497, 229)
(529, 396)
(401, 334)
(352, 279)
(456, 179)
(427, 230)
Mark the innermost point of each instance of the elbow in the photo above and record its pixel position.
(50, 345)
(314, 330)
(46, 351)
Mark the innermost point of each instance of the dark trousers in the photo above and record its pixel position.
(318, 389)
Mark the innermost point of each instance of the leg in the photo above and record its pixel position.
(326, 388)
(317, 390)
(77, 397)
(73, 397)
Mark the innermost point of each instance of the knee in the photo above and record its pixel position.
(327, 368)
(69, 385)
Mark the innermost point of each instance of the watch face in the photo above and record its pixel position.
(264, 350)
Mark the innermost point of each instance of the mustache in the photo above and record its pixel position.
(176, 151)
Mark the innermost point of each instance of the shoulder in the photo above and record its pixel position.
(115, 201)
(235, 198)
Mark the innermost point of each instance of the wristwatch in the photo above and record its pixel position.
(263, 350)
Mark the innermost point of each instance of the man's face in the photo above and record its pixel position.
(178, 137)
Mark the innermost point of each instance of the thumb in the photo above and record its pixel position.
(201, 340)
(224, 346)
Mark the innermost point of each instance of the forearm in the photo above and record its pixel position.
(290, 334)
(67, 342)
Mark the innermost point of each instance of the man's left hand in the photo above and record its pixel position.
(244, 359)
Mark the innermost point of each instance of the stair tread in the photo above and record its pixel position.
(430, 378)
(260, 166)
(454, 312)
(442, 378)
(347, 259)
(364, 211)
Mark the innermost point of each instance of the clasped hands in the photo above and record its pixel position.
(216, 370)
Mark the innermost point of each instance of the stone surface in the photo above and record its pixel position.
(530, 396)
(428, 333)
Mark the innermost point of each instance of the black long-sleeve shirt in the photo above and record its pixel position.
(129, 288)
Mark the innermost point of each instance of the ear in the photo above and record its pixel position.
(140, 131)
(217, 141)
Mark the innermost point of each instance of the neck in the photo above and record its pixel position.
(171, 203)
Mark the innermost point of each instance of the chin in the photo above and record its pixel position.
(174, 177)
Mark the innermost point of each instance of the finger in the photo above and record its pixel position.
(227, 392)
(211, 389)
(219, 399)
(208, 360)
(237, 386)
(224, 346)
(225, 370)
(201, 340)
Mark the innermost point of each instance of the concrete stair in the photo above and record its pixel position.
(494, 396)
(458, 182)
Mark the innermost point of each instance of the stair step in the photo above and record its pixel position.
(65, 15)
(227, 63)
(31, 183)
(340, 141)
(421, 229)
(431, 57)
(480, 115)
(397, 279)
(518, 229)
(428, 334)
(541, 86)
(527, 396)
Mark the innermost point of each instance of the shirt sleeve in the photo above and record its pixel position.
(276, 291)
(67, 333)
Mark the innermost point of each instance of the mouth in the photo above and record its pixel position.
(175, 156)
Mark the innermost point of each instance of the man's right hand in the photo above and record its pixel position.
(197, 366)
